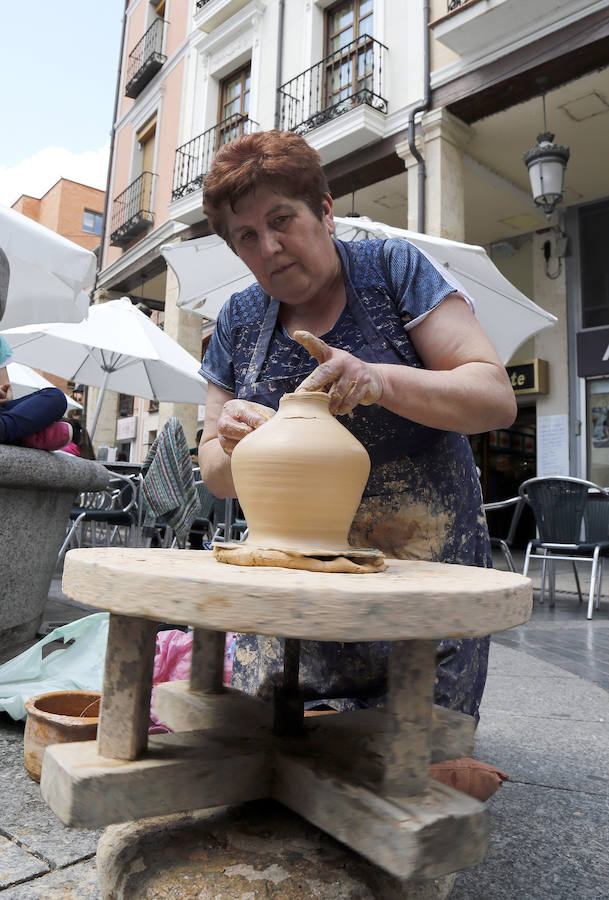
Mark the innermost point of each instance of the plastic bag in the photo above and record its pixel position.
(79, 665)
(172, 663)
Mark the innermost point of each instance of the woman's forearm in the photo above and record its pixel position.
(474, 397)
(215, 469)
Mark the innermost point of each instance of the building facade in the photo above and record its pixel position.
(73, 210)
(421, 112)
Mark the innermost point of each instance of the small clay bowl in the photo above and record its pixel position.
(58, 718)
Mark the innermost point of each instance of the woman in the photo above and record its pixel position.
(31, 420)
(408, 370)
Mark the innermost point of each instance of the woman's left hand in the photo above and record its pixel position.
(351, 380)
(6, 392)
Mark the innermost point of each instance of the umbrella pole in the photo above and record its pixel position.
(100, 398)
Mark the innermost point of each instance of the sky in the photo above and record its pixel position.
(58, 70)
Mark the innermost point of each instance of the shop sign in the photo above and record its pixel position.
(530, 377)
(593, 352)
(126, 429)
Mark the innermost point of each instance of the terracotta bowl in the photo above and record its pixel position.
(58, 718)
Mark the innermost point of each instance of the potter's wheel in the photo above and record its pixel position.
(348, 559)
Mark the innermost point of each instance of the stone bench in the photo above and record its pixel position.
(37, 492)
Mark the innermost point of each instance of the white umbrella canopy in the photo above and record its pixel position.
(46, 273)
(116, 348)
(208, 272)
(25, 380)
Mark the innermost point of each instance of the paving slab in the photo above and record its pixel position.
(24, 816)
(545, 843)
(16, 864)
(555, 696)
(75, 882)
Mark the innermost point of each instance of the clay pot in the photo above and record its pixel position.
(300, 477)
(58, 718)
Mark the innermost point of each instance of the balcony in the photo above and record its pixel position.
(145, 59)
(131, 212)
(210, 14)
(349, 78)
(193, 159)
(478, 28)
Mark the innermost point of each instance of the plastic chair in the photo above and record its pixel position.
(572, 517)
(505, 544)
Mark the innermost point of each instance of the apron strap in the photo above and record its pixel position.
(263, 343)
(379, 345)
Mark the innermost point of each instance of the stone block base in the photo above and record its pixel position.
(257, 850)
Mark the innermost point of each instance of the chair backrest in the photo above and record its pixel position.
(120, 494)
(206, 500)
(596, 518)
(516, 504)
(558, 504)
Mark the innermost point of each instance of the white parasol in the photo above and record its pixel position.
(116, 348)
(43, 275)
(208, 272)
(25, 380)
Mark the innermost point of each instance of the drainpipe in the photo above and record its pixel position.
(112, 134)
(279, 62)
(424, 105)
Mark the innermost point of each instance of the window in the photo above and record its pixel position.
(349, 64)
(125, 405)
(92, 221)
(146, 138)
(234, 104)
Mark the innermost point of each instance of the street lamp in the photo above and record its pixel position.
(546, 162)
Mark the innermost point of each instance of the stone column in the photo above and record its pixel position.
(185, 328)
(444, 138)
(105, 432)
(551, 344)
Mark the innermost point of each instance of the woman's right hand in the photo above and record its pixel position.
(237, 419)
(6, 392)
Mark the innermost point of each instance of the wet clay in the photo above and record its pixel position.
(299, 478)
(357, 562)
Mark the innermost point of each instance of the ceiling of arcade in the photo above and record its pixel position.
(498, 202)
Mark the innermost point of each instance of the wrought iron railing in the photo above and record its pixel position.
(202, 3)
(132, 210)
(145, 59)
(193, 159)
(455, 4)
(349, 77)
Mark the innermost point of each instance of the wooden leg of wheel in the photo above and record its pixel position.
(207, 665)
(407, 745)
(125, 708)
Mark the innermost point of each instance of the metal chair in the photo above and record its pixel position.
(113, 516)
(202, 525)
(505, 544)
(572, 518)
(230, 525)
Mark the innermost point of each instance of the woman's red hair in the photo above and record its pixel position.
(280, 159)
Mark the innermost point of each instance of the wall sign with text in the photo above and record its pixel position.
(530, 377)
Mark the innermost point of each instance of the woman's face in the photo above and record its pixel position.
(289, 251)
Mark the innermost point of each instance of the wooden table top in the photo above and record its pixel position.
(409, 600)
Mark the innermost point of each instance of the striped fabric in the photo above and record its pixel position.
(169, 488)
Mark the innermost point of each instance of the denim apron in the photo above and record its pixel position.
(422, 501)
